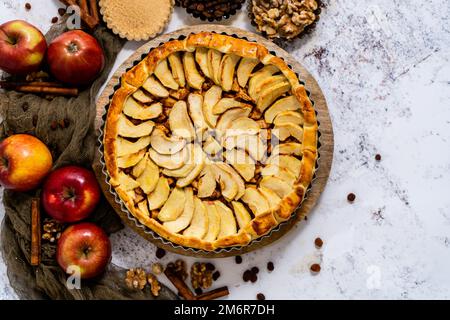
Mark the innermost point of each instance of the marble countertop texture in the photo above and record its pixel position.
(385, 71)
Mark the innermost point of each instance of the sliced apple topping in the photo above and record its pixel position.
(212, 96)
(236, 177)
(199, 223)
(199, 165)
(272, 93)
(131, 159)
(201, 57)
(245, 69)
(253, 144)
(183, 221)
(162, 72)
(171, 161)
(286, 117)
(137, 111)
(227, 69)
(289, 103)
(242, 215)
(282, 173)
(226, 182)
(125, 147)
(144, 208)
(289, 148)
(174, 206)
(264, 84)
(214, 60)
(225, 104)
(179, 121)
(277, 185)
(155, 88)
(255, 201)
(187, 167)
(166, 145)
(159, 196)
(271, 196)
(227, 220)
(211, 146)
(290, 163)
(213, 221)
(177, 69)
(206, 182)
(227, 118)
(195, 106)
(259, 76)
(140, 167)
(142, 97)
(126, 182)
(193, 77)
(149, 177)
(126, 128)
(284, 131)
(242, 126)
(241, 162)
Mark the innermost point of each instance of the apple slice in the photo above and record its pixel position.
(282, 173)
(277, 185)
(131, 159)
(179, 121)
(126, 128)
(193, 77)
(162, 72)
(227, 118)
(253, 144)
(228, 103)
(177, 69)
(242, 215)
(236, 177)
(214, 60)
(125, 147)
(289, 148)
(155, 88)
(255, 201)
(195, 106)
(241, 162)
(171, 161)
(213, 221)
(259, 76)
(142, 97)
(243, 126)
(187, 167)
(212, 96)
(227, 220)
(173, 207)
(273, 199)
(245, 69)
(286, 117)
(166, 145)
(226, 182)
(211, 146)
(265, 83)
(289, 103)
(126, 182)
(149, 178)
(284, 131)
(272, 93)
(206, 182)
(183, 221)
(201, 57)
(227, 70)
(159, 196)
(139, 168)
(290, 163)
(199, 165)
(199, 222)
(137, 111)
(144, 208)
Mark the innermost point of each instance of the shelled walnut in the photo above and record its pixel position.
(155, 287)
(283, 18)
(51, 230)
(136, 278)
(179, 268)
(201, 276)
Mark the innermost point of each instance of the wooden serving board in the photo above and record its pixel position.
(325, 128)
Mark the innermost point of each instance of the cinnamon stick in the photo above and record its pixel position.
(183, 289)
(213, 294)
(35, 232)
(94, 10)
(84, 6)
(90, 21)
(57, 91)
(11, 85)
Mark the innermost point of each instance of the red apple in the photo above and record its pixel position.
(75, 57)
(84, 245)
(70, 194)
(24, 162)
(22, 47)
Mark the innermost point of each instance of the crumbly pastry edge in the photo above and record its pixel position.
(125, 34)
(132, 80)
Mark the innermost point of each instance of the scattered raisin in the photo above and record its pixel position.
(54, 125)
(378, 157)
(351, 197)
(247, 275)
(198, 291)
(315, 268)
(28, 6)
(160, 253)
(54, 19)
(260, 296)
(61, 11)
(270, 266)
(318, 243)
(66, 122)
(255, 270)
(253, 277)
(216, 275)
(210, 266)
(238, 259)
(62, 124)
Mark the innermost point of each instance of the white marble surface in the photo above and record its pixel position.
(384, 68)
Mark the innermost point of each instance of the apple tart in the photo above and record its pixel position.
(211, 141)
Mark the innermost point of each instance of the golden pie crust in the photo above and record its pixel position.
(167, 194)
(136, 19)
